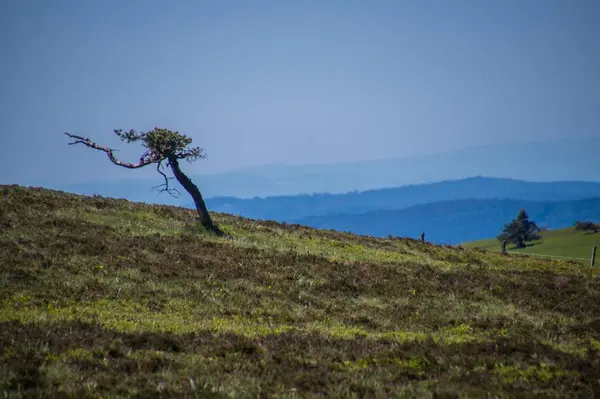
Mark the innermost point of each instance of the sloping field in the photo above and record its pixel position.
(563, 243)
(102, 297)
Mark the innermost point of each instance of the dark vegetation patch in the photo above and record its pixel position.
(114, 362)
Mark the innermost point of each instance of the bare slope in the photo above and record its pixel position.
(107, 297)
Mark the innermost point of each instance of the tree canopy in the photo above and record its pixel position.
(520, 230)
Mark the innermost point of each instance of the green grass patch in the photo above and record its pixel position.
(567, 244)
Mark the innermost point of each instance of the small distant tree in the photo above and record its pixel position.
(164, 148)
(520, 230)
(586, 226)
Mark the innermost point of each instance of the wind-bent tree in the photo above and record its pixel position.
(163, 147)
(520, 230)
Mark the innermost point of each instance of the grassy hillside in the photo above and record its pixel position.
(102, 297)
(567, 243)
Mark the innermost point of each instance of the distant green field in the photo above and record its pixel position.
(567, 243)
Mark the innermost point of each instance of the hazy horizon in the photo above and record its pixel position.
(268, 82)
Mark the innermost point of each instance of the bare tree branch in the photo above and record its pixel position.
(144, 161)
(165, 186)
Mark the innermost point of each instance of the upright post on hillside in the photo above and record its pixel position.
(593, 260)
(504, 247)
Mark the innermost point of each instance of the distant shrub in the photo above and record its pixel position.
(520, 230)
(586, 226)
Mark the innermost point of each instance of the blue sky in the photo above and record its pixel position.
(298, 82)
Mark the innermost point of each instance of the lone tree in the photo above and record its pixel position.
(163, 147)
(520, 230)
(586, 226)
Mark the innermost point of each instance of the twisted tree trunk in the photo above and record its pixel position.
(193, 190)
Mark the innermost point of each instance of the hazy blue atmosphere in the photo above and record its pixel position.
(294, 82)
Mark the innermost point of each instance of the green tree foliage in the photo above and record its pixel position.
(520, 230)
(586, 226)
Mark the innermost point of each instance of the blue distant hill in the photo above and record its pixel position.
(286, 208)
(454, 222)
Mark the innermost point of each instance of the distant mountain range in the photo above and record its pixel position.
(454, 222)
(558, 160)
(553, 160)
(286, 208)
(449, 212)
